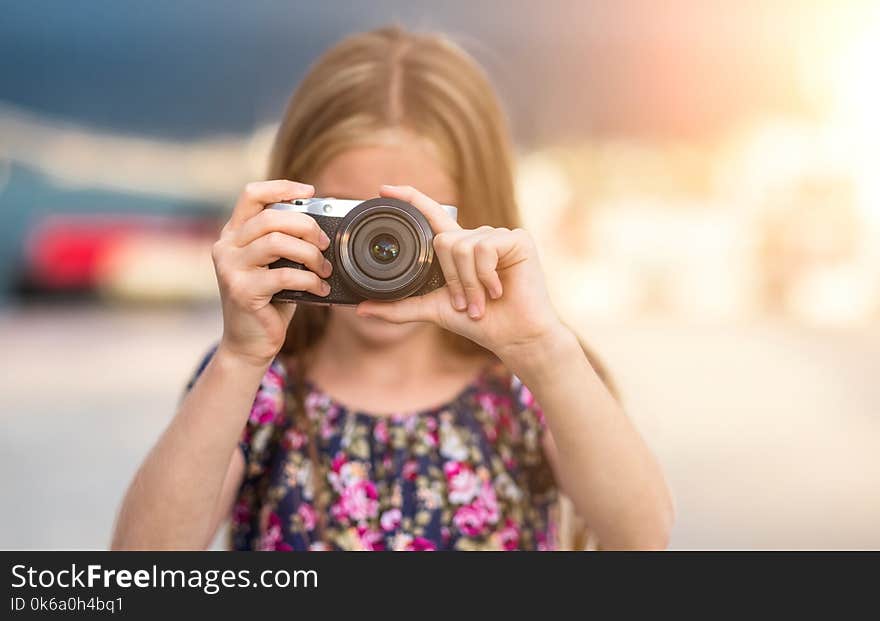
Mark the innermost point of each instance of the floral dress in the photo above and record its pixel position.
(468, 475)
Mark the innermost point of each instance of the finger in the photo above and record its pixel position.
(443, 250)
(465, 265)
(271, 281)
(258, 194)
(275, 245)
(439, 220)
(290, 222)
(417, 308)
(486, 253)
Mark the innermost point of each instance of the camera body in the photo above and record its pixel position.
(380, 249)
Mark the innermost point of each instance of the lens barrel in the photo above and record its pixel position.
(384, 248)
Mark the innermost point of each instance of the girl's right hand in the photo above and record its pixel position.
(254, 328)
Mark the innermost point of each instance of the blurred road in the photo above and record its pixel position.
(769, 434)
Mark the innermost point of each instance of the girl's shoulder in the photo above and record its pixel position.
(276, 373)
(268, 407)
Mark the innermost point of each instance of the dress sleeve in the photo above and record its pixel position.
(266, 417)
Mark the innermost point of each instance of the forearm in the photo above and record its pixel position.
(172, 498)
(603, 464)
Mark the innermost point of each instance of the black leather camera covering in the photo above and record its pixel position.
(341, 293)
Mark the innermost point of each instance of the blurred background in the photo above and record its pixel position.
(703, 178)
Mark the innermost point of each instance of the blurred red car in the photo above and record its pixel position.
(128, 256)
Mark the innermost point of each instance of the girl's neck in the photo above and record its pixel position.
(348, 353)
(403, 376)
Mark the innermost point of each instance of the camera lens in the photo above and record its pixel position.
(384, 248)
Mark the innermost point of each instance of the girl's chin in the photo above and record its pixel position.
(373, 329)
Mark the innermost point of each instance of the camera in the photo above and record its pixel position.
(380, 249)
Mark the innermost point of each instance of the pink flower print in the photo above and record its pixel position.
(409, 422)
(493, 403)
(470, 520)
(390, 520)
(431, 438)
(328, 427)
(489, 403)
(462, 482)
(345, 473)
(526, 397)
(308, 515)
(274, 378)
(294, 440)
(489, 502)
(315, 404)
(510, 424)
(370, 540)
(380, 432)
(273, 539)
(509, 535)
(539, 414)
(541, 541)
(335, 474)
(420, 544)
(410, 470)
(266, 408)
(357, 502)
(339, 460)
(241, 513)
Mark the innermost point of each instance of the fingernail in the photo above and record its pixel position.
(459, 302)
(473, 311)
(495, 292)
(327, 267)
(388, 187)
(325, 287)
(325, 241)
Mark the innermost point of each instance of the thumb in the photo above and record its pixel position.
(418, 308)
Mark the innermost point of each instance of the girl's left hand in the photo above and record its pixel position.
(495, 293)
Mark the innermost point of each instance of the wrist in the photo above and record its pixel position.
(542, 356)
(229, 356)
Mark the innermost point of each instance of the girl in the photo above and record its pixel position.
(394, 425)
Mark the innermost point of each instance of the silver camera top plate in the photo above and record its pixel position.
(334, 207)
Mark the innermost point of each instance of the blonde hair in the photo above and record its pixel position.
(390, 79)
(393, 79)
